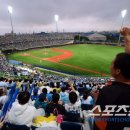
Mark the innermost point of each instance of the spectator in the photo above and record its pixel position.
(10, 83)
(87, 99)
(118, 93)
(55, 105)
(3, 97)
(21, 112)
(54, 91)
(44, 91)
(74, 88)
(41, 102)
(3, 83)
(74, 105)
(25, 85)
(48, 95)
(64, 95)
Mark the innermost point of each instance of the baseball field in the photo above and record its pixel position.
(80, 59)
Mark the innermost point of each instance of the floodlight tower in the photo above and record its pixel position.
(10, 10)
(123, 14)
(56, 17)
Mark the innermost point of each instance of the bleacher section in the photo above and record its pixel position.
(4, 66)
(51, 82)
(28, 41)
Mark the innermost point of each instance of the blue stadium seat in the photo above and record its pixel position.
(34, 97)
(35, 94)
(24, 88)
(6, 105)
(14, 97)
(31, 89)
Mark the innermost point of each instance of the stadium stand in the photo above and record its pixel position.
(4, 65)
(29, 41)
(41, 82)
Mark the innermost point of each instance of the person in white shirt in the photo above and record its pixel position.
(22, 113)
(87, 99)
(3, 84)
(74, 105)
(3, 97)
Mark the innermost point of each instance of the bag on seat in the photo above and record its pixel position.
(59, 117)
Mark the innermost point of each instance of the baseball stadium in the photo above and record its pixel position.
(72, 73)
(82, 59)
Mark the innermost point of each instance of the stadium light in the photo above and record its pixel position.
(10, 10)
(56, 17)
(123, 14)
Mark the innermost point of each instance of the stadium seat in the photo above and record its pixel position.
(71, 126)
(81, 90)
(73, 117)
(31, 89)
(86, 107)
(14, 97)
(8, 126)
(24, 88)
(12, 90)
(6, 105)
(34, 97)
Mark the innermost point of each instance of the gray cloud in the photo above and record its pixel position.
(38, 15)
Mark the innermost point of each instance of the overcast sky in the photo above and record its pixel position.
(74, 15)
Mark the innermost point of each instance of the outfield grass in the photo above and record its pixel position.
(88, 56)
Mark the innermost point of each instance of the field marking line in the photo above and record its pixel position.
(83, 69)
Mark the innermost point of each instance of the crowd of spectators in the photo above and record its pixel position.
(50, 97)
(4, 66)
(28, 41)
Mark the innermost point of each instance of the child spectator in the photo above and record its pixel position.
(54, 104)
(41, 102)
(64, 95)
